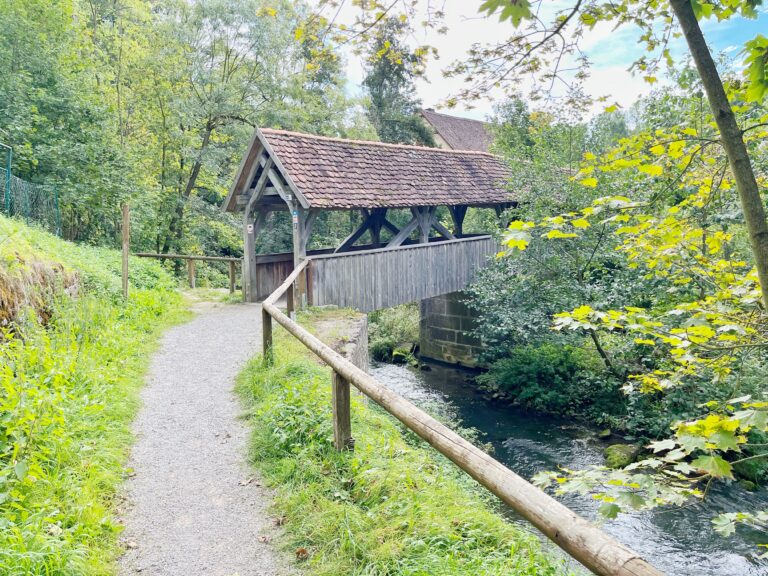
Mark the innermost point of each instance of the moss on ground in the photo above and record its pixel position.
(392, 507)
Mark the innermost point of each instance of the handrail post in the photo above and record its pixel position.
(191, 272)
(290, 303)
(342, 423)
(126, 245)
(231, 276)
(266, 337)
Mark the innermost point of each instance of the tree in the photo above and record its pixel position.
(154, 103)
(393, 110)
(554, 40)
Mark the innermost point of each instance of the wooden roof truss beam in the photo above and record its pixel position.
(373, 220)
(425, 219)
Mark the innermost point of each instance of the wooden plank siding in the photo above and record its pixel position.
(373, 279)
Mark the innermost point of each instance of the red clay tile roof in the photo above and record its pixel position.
(460, 133)
(332, 173)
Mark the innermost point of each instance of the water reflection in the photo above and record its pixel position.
(677, 541)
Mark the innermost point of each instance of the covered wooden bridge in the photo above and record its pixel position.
(386, 260)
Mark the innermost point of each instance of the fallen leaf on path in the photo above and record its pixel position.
(265, 539)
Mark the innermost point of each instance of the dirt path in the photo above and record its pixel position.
(191, 510)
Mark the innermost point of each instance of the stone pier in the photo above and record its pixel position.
(445, 321)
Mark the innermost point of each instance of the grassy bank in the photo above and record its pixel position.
(72, 357)
(390, 508)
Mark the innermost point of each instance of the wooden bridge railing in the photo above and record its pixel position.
(370, 280)
(595, 549)
(191, 259)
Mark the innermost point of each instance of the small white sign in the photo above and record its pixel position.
(249, 228)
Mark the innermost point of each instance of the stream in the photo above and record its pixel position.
(678, 541)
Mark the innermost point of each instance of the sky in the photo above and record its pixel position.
(610, 51)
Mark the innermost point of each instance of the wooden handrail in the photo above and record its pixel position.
(187, 257)
(190, 258)
(595, 549)
(401, 247)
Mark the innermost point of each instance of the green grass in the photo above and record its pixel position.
(68, 392)
(393, 507)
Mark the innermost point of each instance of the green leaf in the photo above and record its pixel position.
(661, 445)
(609, 510)
(651, 169)
(559, 234)
(20, 469)
(514, 10)
(632, 499)
(725, 524)
(724, 441)
(691, 443)
(715, 466)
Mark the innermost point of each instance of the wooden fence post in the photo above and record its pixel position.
(342, 424)
(232, 277)
(266, 337)
(126, 233)
(191, 272)
(290, 302)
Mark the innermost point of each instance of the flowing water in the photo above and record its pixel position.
(680, 542)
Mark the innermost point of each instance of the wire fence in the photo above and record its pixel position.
(35, 203)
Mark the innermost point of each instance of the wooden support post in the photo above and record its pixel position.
(458, 213)
(266, 338)
(251, 228)
(232, 277)
(342, 423)
(126, 233)
(191, 272)
(379, 217)
(249, 258)
(425, 216)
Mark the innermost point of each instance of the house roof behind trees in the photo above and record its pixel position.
(459, 133)
(333, 173)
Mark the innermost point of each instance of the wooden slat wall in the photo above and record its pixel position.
(376, 279)
(271, 272)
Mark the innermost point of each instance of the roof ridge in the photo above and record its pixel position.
(379, 144)
(453, 117)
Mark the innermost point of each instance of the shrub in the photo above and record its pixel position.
(391, 327)
(557, 380)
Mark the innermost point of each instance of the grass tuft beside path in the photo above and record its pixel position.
(393, 507)
(71, 364)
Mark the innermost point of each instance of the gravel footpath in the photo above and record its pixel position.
(194, 506)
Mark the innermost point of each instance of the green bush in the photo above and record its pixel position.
(391, 327)
(558, 380)
(391, 507)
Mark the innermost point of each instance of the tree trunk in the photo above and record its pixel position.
(176, 227)
(731, 138)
